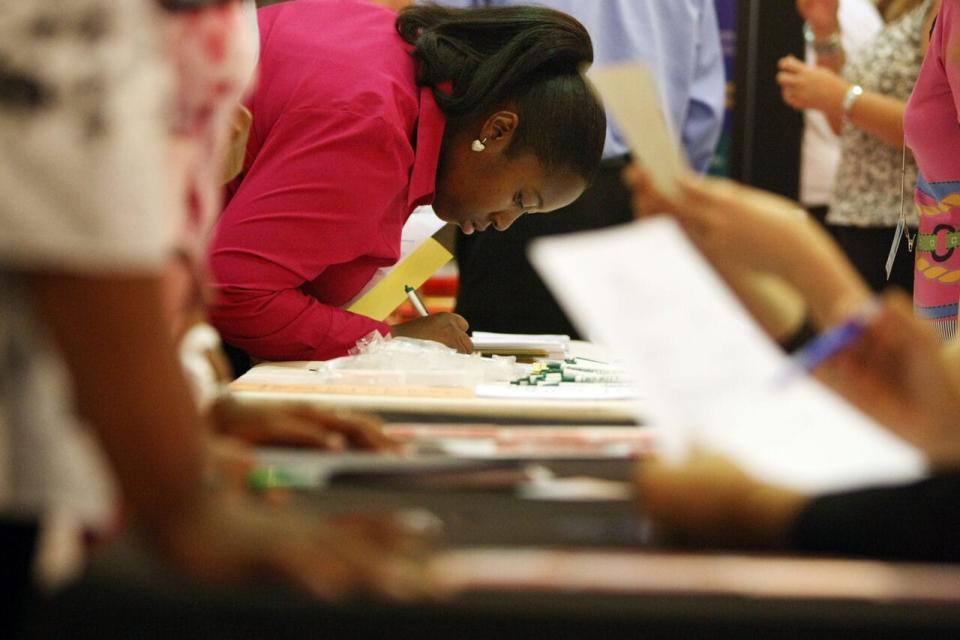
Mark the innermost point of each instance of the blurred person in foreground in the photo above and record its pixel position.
(897, 372)
(95, 413)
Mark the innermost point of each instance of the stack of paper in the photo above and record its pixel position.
(521, 344)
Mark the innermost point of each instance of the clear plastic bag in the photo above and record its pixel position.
(379, 360)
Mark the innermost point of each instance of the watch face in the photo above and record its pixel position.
(850, 99)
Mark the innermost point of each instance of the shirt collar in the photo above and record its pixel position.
(423, 178)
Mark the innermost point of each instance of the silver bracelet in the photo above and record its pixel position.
(850, 99)
(832, 45)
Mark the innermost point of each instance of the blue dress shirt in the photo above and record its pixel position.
(680, 39)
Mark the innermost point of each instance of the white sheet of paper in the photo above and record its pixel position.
(572, 391)
(548, 342)
(420, 226)
(707, 372)
(630, 92)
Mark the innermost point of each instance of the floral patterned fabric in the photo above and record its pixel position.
(82, 129)
(868, 186)
(212, 51)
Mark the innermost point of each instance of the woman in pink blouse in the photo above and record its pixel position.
(932, 128)
(360, 116)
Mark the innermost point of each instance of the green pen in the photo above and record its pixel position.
(416, 301)
(270, 477)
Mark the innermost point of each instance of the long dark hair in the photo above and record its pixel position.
(531, 56)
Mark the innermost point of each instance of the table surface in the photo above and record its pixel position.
(520, 567)
(295, 382)
(529, 568)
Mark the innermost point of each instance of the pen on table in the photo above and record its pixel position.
(830, 342)
(416, 301)
(267, 477)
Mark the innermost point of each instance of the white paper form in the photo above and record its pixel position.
(571, 391)
(707, 371)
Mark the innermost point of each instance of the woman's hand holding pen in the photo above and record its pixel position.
(447, 328)
(897, 372)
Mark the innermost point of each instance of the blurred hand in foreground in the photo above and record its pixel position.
(745, 232)
(709, 500)
(230, 538)
(898, 373)
(298, 425)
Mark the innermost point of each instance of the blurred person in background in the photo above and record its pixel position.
(831, 34)
(864, 96)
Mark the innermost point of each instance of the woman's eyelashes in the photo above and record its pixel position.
(518, 200)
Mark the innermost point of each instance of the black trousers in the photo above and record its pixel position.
(867, 249)
(499, 289)
(917, 521)
(18, 539)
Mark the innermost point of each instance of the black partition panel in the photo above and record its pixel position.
(765, 148)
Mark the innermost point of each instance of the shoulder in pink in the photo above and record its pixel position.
(343, 146)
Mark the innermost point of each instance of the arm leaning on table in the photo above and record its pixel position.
(306, 229)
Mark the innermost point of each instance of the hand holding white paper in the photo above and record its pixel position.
(707, 371)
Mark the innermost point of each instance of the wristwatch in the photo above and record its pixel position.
(829, 46)
(850, 99)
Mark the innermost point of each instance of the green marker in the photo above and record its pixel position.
(416, 301)
(273, 477)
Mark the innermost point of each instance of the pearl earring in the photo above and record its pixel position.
(478, 145)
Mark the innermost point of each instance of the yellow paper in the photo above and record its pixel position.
(389, 293)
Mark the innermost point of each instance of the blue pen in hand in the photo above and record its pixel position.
(830, 342)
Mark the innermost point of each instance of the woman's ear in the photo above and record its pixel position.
(499, 129)
(239, 134)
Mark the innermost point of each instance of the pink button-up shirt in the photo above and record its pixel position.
(344, 145)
